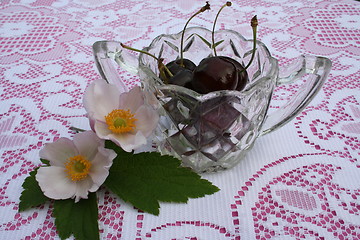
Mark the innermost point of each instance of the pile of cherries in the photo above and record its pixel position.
(212, 74)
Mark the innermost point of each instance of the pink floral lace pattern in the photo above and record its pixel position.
(300, 182)
(334, 28)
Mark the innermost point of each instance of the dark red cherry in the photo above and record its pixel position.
(213, 74)
(219, 73)
(182, 78)
(175, 66)
(243, 77)
(182, 75)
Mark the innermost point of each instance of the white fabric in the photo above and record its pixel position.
(300, 182)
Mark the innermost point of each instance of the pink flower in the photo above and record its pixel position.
(123, 118)
(76, 167)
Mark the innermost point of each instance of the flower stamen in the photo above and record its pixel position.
(120, 121)
(77, 168)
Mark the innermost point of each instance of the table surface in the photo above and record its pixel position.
(299, 182)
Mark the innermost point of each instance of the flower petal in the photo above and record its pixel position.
(147, 120)
(87, 144)
(131, 100)
(102, 130)
(128, 141)
(82, 189)
(151, 99)
(54, 182)
(59, 151)
(100, 168)
(100, 98)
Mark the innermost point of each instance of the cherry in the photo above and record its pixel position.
(242, 75)
(175, 66)
(183, 78)
(219, 73)
(181, 75)
(180, 70)
(213, 73)
(216, 73)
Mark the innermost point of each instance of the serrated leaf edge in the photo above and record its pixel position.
(32, 174)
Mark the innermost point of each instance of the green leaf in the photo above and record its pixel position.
(79, 219)
(144, 179)
(32, 195)
(44, 161)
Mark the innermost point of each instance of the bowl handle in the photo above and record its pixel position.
(315, 70)
(106, 54)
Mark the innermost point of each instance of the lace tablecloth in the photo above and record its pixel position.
(299, 182)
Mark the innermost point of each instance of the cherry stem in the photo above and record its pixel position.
(160, 63)
(254, 24)
(203, 9)
(213, 30)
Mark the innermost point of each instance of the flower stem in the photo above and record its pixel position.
(213, 30)
(203, 9)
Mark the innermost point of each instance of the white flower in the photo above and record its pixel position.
(123, 118)
(76, 167)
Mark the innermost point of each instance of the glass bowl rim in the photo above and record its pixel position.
(273, 62)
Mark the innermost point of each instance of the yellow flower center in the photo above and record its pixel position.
(77, 168)
(120, 121)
